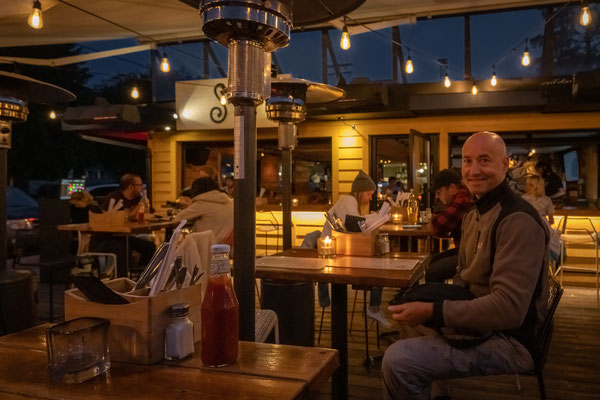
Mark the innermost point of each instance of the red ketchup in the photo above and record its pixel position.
(220, 313)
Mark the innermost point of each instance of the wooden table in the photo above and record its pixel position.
(423, 231)
(263, 371)
(340, 277)
(130, 228)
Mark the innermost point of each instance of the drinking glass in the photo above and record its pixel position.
(78, 349)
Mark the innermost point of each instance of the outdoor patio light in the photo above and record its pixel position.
(526, 60)
(494, 80)
(52, 114)
(586, 16)
(164, 63)
(447, 82)
(135, 93)
(409, 66)
(35, 18)
(223, 100)
(474, 90)
(345, 42)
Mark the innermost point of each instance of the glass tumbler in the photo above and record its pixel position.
(78, 349)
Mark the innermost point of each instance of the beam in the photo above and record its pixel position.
(57, 62)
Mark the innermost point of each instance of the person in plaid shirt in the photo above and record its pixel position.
(458, 201)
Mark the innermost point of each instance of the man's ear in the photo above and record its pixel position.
(505, 163)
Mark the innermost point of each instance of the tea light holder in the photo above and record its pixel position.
(396, 218)
(326, 247)
(294, 202)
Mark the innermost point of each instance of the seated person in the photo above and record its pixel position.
(229, 185)
(204, 171)
(80, 205)
(130, 194)
(456, 198)
(210, 209)
(502, 262)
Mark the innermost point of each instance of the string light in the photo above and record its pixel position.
(167, 128)
(52, 114)
(223, 100)
(345, 41)
(409, 64)
(175, 116)
(494, 80)
(35, 17)
(447, 82)
(474, 90)
(164, 63)
(526, 60)
(586, 16)
(531, 152)
(135, 93)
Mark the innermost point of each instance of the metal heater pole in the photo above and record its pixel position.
(286, 171)
(244, 212)
(3, 171)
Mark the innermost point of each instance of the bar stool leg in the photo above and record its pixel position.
(352, 315)
(321, 325)
(367, 363)
(50, 284)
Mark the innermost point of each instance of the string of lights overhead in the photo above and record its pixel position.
(585, 20)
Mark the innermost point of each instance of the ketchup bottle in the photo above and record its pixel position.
(220, 318)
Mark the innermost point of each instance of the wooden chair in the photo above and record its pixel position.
(543, 336)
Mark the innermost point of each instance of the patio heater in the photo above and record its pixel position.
(251, 30)
(15, 92)
(287, 106)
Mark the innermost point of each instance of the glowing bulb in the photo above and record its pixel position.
(167, 128)
(223, 100)
(35, 18)
(409, 66)
(447, 82)
(474, 89)
(345, 42)
(525, 60)
(586, 16)
(135, 93)
(175, 116)
(52, 115)
(494, 81)
(164, 64)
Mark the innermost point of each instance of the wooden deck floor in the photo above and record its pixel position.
(572, 371)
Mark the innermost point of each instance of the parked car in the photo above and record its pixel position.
(99, 192)
(22, 212)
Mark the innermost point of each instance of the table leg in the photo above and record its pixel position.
(339, 338)
(127, 272)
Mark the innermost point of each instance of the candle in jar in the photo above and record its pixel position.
(397, 218)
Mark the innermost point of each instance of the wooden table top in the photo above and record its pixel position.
(263, 371)
(128, 228)
(347, 275)
(399, 230)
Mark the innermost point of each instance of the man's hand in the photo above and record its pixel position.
(412, 313)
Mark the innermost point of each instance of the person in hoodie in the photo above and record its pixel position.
(210, 209)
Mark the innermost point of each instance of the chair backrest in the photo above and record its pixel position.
(544, 334)
(576, 225)
(54, 244)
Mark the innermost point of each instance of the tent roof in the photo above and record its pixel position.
(173, 20)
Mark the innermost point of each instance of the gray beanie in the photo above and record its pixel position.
(363, 183)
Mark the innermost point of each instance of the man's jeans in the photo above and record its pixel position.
(411, 365)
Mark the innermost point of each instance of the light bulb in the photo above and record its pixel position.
(345, 42)
(164, 64)
(52, 115)
(167, 128)
(175, 116)
(223, 100)
(447, 81)
(409, 66)
(135, 93)
(494, 81)
(525, 60)
(474, 89)
(586, 16)
(35, 18)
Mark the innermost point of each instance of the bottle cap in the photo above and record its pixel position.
(179, 310)
(219, 248)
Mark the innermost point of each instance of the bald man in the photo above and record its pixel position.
(501, 262)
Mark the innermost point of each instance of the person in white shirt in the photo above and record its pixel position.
(355, 203)
(536, 196)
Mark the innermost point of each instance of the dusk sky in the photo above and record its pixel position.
(493, 36)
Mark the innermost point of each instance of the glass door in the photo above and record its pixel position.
(419, 177)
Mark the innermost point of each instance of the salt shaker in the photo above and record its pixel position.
(179, 334)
